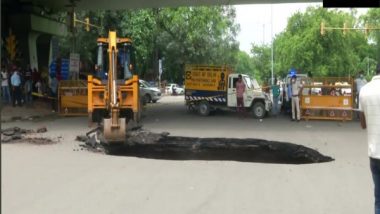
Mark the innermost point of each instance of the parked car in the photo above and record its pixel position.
(177, 88)
(149, 93)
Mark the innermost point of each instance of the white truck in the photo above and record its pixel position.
(208, 88)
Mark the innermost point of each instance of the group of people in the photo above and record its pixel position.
(17, 85)
(276, 92)
(295, 90)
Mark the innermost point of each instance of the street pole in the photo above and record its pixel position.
(159, 73)
(368, 65)
(271, 34)
(263, 34)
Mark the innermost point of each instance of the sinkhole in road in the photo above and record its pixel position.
(162, 146)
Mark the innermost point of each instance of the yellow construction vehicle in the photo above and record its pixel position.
(112, 103)
(115, 101)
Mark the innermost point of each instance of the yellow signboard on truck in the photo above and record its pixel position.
(209, 78)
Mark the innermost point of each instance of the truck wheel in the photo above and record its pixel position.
(258, 110)
(191, 108)
(204, 108)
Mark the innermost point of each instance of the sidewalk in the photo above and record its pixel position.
(39, 109)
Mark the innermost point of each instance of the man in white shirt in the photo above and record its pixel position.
(370, 119)
(16, 87)
(5, 86)
(360, 81)
(296, 90)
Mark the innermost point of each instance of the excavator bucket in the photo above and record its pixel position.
(114, 134)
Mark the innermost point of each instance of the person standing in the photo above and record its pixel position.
(28, 85)
(97, 72)
(276, 95)
(5, 86)
(295, 91)
(16, 87)
(370, 120)
(360, 81)
(35, 78)
(174, 92)
(240, 89)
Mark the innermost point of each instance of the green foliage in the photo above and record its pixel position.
(262, 61)
(245, 65)
(372, 18)
(195, 35)
(302, 47)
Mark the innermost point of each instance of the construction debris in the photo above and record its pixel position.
(16, 134)
(39, 140)
(42, 130)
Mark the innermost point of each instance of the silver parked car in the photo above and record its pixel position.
(149, 93)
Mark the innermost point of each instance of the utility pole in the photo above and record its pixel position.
(368, 65)
(271, 35)
(263, 34)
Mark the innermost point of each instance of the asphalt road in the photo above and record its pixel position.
(59, 179)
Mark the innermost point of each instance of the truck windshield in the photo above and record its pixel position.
(145, 84)
(248, 81)
(255, 84)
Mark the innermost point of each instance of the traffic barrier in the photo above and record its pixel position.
(72, 97)
(327, 99)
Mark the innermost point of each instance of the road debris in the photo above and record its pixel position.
(19, 135)
(42, 130)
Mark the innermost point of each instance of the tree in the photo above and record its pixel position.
(372, 18)
(185, 35)
(302, 47)
(245, 65)
(197, 35)
(261, 56)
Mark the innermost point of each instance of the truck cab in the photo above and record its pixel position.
(208, 88)
(254, 97)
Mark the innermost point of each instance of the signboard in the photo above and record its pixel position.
(160, 67)
(74, 63)
(209, 80)
(65, 69)
(53, 67)
(60, 69)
